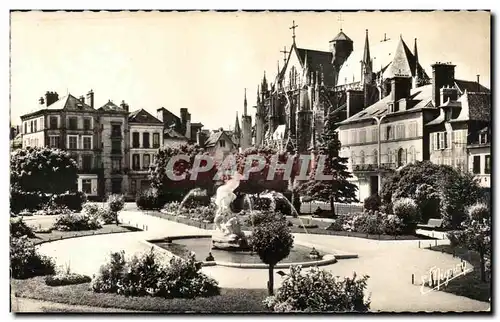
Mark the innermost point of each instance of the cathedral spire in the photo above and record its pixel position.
(245, 104)
(258, 96)
(237, 129)
(366, 55)
(415, 53)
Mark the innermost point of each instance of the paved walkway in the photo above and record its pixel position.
(390, 264)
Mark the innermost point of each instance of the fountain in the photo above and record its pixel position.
(228, 234)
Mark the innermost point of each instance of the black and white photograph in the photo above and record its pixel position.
(250, 162)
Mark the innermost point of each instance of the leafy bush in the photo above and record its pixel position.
(367, 224)
(149, 199)
(99, 213)
(19, 228)
(70, 200)
(372, 202)
(66, 279)
(427, 199)
(21, 200)
(258, 217)
(172, 207)
(319, 291)
(391, 225)
(75, 222)
(25, 261)
(116, 202)
(406, 210)
(146, 275)
(479, 211)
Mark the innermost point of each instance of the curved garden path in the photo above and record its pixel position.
(389, 264)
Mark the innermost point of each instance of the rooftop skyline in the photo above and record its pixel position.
(204, 61)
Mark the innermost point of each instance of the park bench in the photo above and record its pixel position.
(432, 224)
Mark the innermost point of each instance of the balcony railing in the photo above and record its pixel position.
(374, 167)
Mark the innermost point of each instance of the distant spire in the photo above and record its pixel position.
(317, 80)
(415, 53)
(258, 96)
(237, 129)
(245, 104)
(366, 54)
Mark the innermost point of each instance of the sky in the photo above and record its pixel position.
(204, 61)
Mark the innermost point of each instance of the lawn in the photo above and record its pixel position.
(296, 228)
(468, 285)
(106, 229)
(230, 300)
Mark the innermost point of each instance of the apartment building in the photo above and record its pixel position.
(145, 140)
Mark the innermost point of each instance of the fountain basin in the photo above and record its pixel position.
(200, 245)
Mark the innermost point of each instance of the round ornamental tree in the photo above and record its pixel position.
(44, 170)
(272, 241)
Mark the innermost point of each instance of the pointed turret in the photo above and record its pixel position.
(367, 62)
(400, 64)
(264, 84)
(245, 104)
(341, 47)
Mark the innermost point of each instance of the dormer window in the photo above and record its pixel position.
(448, 115)
(483, 138)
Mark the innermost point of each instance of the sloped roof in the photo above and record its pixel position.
(111, 107)
(470, 86)
(419, 98)
(341, 36)
(68, 103)
(173, 134)
(215, 137)
(479, 106)
(142, 116)
(318, 61)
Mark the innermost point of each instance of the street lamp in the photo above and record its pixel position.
(379, 123)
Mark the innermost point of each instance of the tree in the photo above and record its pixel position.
(115, 204)
(457, 193)
(161, 176)
(339, 189)
(43, 170)
(272, 241)
(475, 234)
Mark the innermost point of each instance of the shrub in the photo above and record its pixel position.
(21, 200)
(116, 202)
(19, 228)
(172, 207)
(272, 241)
(319, 291)
(427, 199)
(100, 213)
(26, 262)
(66, 279)
(367, 224)
(372, 202)
(391, 225)
(70, 200)
(406, 210)
(479, 211)
(146, 275)
(149, 199)
(75, 222)
(105, 215)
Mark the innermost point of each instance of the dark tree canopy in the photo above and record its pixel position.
(44, 170)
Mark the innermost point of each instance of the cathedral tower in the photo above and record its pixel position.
(246, 126)
(341, 47)
(259, 121)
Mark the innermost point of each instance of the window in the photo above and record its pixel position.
(483, 138)
(41, 123)
(116, 146)
(375, 156)
(53, 122)
(116, 185)
(389, 133)
(448, 115)
(133, 186)
(87, 186)
(401, 157)
(375, 134)
(145, 140)
(389, 156)
(353, 158)
(156, 140)
(34, 126)
(400, 131)
(87, 122)
(487, 164)
(116, 130)
(362, 157)
(136, 165)
(135, 139)
(222, 143)
(54, 141)
(412, 155)
(413, 130)
(476, 164)
(31, 127)
(362, 136)
(116, 164)
(86, 162)
(87, 143)
(72, 142)
(72, 123)
(145, 161)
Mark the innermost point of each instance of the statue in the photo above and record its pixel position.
(228, 234)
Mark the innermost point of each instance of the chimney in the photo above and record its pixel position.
(448, 93)
(41, 101)
(188, 126)
(200, 138)
(124, 105)
(90, 98)
(443, 74)
(159, 114)
(51, 98)
(400, 87)
(82, 99)
(478, 84)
